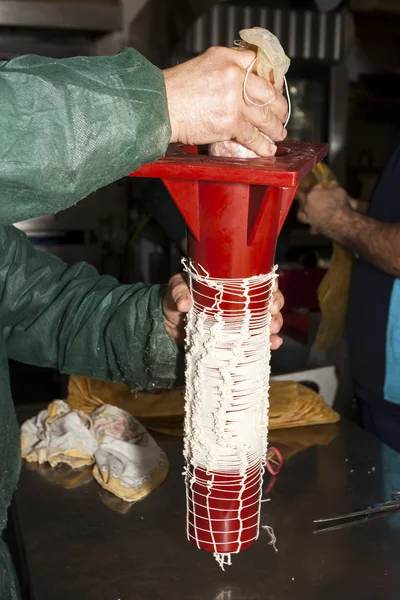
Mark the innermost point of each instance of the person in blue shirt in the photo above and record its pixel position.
(374, 301)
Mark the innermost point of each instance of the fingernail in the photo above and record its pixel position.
(181, 299)
(280, 341)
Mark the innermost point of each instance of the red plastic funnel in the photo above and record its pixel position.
(234, 209)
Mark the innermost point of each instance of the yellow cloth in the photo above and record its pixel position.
(129, 463)
(291, 404)
(294, 405)
(333, 291)
(161, 411)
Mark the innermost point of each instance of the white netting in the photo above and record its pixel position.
(226, 414)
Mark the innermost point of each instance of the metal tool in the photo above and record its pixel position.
(378, 509)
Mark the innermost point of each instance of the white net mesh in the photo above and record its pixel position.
(226, 420)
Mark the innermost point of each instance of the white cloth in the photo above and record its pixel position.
(127, 460)
(59, 435)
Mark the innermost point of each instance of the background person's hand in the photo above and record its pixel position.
(177, 302)
(323, 208)
(206, 102)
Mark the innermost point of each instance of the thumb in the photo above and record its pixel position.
(183, 303)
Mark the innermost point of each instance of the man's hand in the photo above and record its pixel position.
(206, 102)
(324, 208)
(277, 304)
(177, 303)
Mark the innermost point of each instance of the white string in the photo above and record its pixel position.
(226, 407)
(250, 101)
(271, 534)
(247, 97)
(223, 560)
(288, 101)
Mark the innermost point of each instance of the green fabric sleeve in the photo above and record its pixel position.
(72, 319)
(71, 126)
(9, 587)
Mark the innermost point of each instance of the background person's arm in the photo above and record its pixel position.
(371, 241)
(329, 212)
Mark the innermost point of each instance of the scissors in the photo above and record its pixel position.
(358, 516)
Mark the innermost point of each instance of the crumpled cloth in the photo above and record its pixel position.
(126, 459)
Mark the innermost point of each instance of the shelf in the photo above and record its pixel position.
(91, 17)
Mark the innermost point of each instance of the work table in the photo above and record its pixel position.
(82, 543)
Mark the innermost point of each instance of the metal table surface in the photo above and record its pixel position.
(79, 544)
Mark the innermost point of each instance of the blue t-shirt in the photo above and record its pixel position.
(374, 306)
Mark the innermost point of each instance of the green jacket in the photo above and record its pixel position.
(68, 127)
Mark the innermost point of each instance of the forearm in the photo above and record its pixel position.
(107, 332)
(372, 241)
(125, 340)
(71, 126)
(72, 319)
